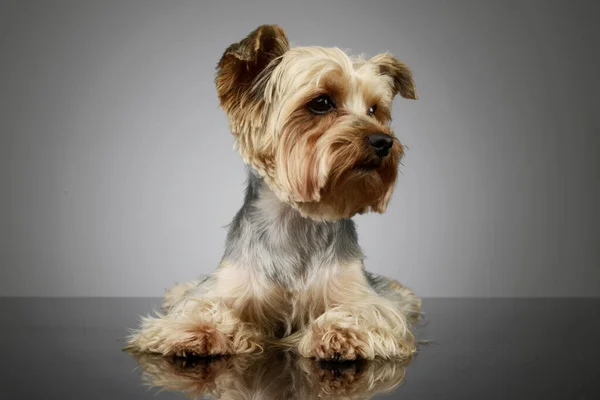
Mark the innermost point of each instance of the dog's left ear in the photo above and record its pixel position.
(401, 75)
(243, 62)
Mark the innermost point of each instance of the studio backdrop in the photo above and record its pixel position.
(118, 176)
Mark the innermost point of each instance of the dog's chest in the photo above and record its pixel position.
(283, 307)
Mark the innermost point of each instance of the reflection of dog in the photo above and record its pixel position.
(270, 376)
(313, 126)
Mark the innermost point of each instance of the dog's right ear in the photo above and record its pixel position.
(244, 61)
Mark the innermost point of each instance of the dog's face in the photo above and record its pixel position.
(313, 122)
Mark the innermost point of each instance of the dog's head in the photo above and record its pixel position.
(314, 122)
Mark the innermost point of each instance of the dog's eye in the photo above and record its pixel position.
(321, 105)
(372, 109)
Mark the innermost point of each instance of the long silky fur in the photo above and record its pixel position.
(292, 271)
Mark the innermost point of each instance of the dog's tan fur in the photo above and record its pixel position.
(311, 166)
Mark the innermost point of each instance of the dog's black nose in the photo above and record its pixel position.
(381, 143)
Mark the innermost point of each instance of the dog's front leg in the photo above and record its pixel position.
(357, 322)
(199, 322)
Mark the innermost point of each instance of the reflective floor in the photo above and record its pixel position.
(478, 349)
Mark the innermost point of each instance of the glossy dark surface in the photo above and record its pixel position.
(479, 348)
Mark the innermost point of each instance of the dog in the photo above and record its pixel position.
(312, 126)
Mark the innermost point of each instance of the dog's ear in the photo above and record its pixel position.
(401, 75)
(244, 61)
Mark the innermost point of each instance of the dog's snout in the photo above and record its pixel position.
(381, 143)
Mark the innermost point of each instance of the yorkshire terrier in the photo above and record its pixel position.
(312, 124)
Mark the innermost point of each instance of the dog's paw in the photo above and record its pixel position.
(200, 341)
(198, 335)
(343, 340)
(336, 343)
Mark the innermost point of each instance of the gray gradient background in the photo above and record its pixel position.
(117, 171)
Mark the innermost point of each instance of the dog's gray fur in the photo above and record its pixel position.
(284, 244)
